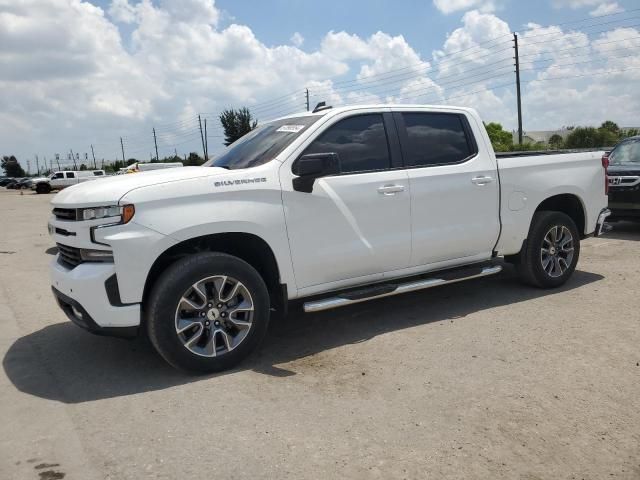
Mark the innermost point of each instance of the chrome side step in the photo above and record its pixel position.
(387, 290)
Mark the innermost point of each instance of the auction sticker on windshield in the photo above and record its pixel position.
(290, 128)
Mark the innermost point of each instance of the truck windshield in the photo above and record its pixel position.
(262, 144)
(627, 152)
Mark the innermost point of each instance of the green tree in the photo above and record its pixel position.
(606, 135)
(528, 146)
(236, 123)
(11, 166)
(610, 126)
(501, 140)
(584, 137)
(193, 160)
(83, 167)
(556, 141)
(630, 132)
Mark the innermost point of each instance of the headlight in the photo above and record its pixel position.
(126, 212)
(101, 212)
(96, 255)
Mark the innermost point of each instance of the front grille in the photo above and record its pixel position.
(69, 256)
(65, 213)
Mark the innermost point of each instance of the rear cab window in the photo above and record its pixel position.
(435, 138)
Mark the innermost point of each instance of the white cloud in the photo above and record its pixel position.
(297, 39)
(480, 35)
(451, 6)
(603, 7)
(342, 46)
(122, 11)
(606, 9)
(575, 4)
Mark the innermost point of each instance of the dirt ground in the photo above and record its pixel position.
(486, 379)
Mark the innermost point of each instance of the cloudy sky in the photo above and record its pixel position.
(79, 73)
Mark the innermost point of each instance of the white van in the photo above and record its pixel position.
(145, 167)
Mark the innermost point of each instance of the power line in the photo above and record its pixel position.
(607, 72)
(527, 43)
(578, 47)
(576, 63)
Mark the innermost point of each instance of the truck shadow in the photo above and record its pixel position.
(624, 231)
(63, 363)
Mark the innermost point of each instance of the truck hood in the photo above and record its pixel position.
(40, 179)
(110, 190)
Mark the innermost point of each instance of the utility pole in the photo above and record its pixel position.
(175, 150)
(206, 142)
(73, 157)
(122, 147)
(307, 95)
(155, 141)
(94, 158)
(38, 165)
(201, 135)
(517, 58)
(28, 167)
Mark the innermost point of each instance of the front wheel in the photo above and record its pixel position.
(551, 252)
(208, 312)
(43, 188)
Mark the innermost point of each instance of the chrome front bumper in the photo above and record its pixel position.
(601, 226)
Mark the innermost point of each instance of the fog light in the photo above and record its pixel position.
(96, 255)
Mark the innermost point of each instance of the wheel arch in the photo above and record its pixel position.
(569, 204)
(249, 247)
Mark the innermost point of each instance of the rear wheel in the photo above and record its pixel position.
(208, 312)
(551, 252)
(43, 188)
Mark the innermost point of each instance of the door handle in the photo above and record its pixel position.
(390, 189)
(481, 180)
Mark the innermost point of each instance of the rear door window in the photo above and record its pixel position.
(432, 138)
(71, 175)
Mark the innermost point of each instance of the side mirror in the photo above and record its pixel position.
(312, 166)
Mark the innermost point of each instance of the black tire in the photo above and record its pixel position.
(530, 264)
(43, 188)
(169, 289)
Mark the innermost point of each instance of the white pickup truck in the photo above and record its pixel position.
(333, 207)
(64, 179)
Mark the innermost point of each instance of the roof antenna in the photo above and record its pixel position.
(321, 106)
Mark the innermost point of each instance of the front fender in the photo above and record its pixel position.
(256, 210)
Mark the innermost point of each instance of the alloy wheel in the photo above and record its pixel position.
(214, 315)
(557, 251)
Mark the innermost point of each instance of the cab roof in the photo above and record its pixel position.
(382, 106)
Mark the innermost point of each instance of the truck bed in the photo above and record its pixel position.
(531, 153)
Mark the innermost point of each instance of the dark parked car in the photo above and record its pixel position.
(24, 183)
(5, 181)
(624, 180)
(18, 183)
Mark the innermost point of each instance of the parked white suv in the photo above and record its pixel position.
(335, 207)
